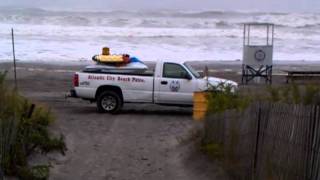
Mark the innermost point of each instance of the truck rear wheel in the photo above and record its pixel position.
(109, 102)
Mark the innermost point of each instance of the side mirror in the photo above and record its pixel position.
(187, 76)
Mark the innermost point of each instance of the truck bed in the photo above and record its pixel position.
(104, 71)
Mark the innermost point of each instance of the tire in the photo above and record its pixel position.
(109, 102)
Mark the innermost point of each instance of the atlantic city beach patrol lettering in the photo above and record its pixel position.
(119, 78)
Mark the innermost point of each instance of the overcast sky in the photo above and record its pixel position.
(247, 5)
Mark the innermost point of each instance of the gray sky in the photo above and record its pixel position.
(253, 5)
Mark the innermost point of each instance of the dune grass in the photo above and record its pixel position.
(23, 132)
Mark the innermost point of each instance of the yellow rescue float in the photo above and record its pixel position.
(105, 57)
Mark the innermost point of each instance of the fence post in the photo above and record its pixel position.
(312, 167)
(31, 110)
(316, 157)
(309, 151)
(1, 174)
(257, 145)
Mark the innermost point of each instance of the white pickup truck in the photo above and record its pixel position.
(171, 83)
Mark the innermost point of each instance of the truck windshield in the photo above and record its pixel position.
(193, 71)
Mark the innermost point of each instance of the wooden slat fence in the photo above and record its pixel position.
(268, 141)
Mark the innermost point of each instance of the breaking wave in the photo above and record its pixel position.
(59, 34)
(207, 19)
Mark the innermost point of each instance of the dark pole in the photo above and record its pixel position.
(14, 61)
(1, 175)
(257, 145)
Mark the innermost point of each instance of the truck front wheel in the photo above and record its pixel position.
(109, 102)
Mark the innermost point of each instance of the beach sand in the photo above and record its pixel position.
(142, 142)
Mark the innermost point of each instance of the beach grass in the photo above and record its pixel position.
(24, 132)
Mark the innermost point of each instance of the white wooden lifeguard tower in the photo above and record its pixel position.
(257, 52)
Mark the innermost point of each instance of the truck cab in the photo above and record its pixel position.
(175, 83)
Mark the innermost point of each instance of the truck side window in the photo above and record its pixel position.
(171, 70)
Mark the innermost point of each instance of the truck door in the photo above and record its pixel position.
(175, 86)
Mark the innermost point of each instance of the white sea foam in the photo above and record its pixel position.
(76, 36)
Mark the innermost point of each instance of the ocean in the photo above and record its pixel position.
(75, 36)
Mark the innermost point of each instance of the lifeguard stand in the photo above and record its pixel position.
(257, 52)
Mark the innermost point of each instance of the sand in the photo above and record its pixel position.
(142, 142)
